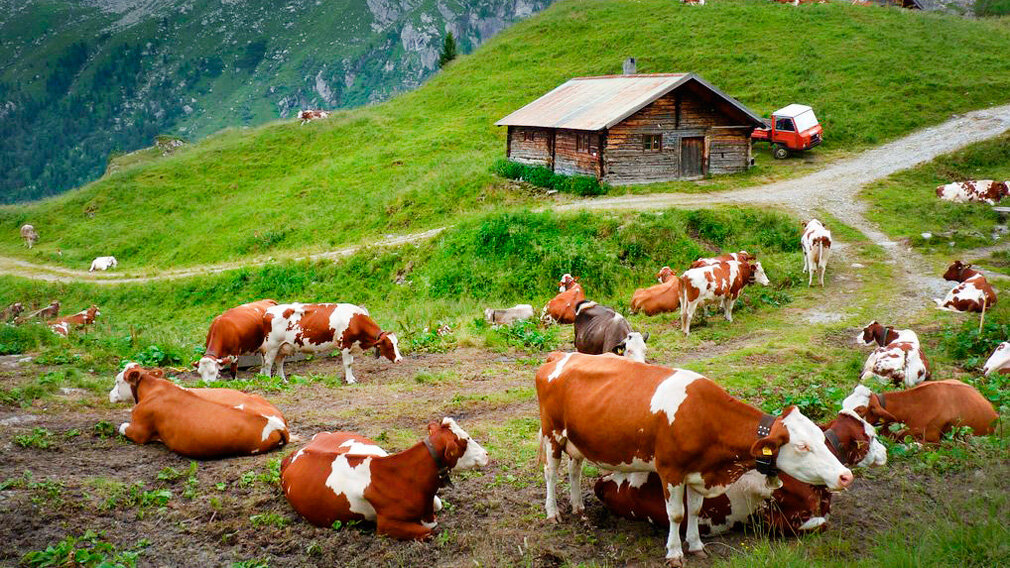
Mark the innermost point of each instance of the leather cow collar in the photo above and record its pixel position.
(766, 463)
(443, 469)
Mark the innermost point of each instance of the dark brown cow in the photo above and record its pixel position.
(561, 309)
(237, 331)
(12, 312)
(721, 282)
(600, 329)
(192, 426)
(83, 318)
(341, 476)
(794, 507)
(927, 411)
(323, 328)
(973, 294)
(627, 416)
(660, 298)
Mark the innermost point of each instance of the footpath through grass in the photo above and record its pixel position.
(423, 159)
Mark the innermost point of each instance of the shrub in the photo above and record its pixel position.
(543, 177)
(15, 339)
(985, 8)
(86, 551)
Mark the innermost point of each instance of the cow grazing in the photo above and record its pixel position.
(237, 331)
(29, 235)
(928, 410)
(973, 294)
(12, 312)
(999, 361)
(660, 298)
(340, 476)
(627, 416)
(795, 506)
(721, 282)
(742, 256)
(83, 318)
(561, 309)
(191, 425)
(816, 243)
(103, 263)
(307, 116)
(519, 312)
(600, 329)
(899, 357)
(246, 402)
(984, 191)
(321, 328)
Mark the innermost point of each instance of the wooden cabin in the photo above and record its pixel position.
(628, 129)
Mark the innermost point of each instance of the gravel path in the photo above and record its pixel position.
(833, 189)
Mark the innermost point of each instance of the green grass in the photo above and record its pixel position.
(905, 204)
(423, 159)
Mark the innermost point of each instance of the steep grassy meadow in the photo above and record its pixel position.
(421, 159)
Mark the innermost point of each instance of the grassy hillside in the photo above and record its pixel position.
(422, 159)
(79, 80)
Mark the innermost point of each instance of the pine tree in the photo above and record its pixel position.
(448, 50)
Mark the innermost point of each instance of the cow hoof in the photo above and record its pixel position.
(700, 553)
(675, 562)
(556, 519)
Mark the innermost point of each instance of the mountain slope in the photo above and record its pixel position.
(422, 158)
(81, 79)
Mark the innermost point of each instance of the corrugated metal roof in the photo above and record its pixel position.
(595, 103)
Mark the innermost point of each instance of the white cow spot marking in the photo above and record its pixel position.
(672, 392)
(559, 367)
(351, 483)
(361, 449)
(273, 423)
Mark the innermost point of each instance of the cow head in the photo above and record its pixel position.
(801, 451)
(92, 314)
(127, 380)
(999, 359)
(386, 345)
(209, 367)
(956, 271)
(461, 451)
(758, 273)
(664, 274)
(633, 346)
(866, 404)
(858, 441)
(874, 332)
(567, 281)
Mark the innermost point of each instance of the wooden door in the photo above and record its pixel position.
(692, 151)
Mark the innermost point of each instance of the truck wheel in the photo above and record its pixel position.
(780, 152)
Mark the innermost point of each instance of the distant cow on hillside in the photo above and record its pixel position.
(985, 191)
(973, 294)
(309, 115)
(816, 243)
(12, 312)
(103, 263)
(29, 235)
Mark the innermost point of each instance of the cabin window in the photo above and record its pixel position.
(785, 124)
(652, 142)
(582, 144)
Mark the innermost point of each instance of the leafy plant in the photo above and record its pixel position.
(39, 438)
(86, 551)
(269, 519)
(103, 429)
(543, 177)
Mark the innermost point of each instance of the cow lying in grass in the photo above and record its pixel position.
(340, 476)
(973, 294)
(898, 358)
(984, 191)
(660, 298)
(196, 423)
(600, 329)
(791, 508)
(83, 318)
(928, 411)
(561, 308)
(999, 361)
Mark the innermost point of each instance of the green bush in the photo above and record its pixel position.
(543, 177)
(984, 8)
(15, 339)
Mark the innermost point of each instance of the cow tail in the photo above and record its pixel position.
(683, 300)
(541, 453)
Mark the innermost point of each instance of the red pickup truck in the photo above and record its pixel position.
(792, 128)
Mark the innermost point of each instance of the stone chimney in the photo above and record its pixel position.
(629, 66)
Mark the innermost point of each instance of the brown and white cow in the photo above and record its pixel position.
(927, 411)
(660, 298)
(29, 235)
(742, 256)
(83, 318)
(985, 191)
(973, 294)
(321, 328)
(193, 426)
(561, 308)
(508, 316)
(794, 507)
(720, 282)
(312, 114)
(246, 402)
(816, 243)
(627, 416)
(340, 476)
(238, 331)
(898, 358)
(600, 329)
(999, 361)
(12, 312)
(50, 311)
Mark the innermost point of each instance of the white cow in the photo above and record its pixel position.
(103, 263)
(29, 235)
(816, 243)
(518, 312)
(998, 361)
(983, 190)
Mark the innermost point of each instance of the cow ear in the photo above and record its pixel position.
(433, 427)
(770, 444)
(157, 373)
(875, 411)
(620, 348)
(452, 451)
(133, 376)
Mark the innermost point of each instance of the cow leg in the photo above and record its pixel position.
(551, 464)
(575, 485)
(268, 361)
(694, 502)
(280, 367)
(234, 369)
(727, 308)
(674, 495)
(138, 432)
(348, 359)
(403, 530)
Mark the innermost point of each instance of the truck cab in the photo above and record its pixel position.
(793, 128)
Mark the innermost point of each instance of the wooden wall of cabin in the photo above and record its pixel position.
(531, 146)
(574, 158)
(675, 116)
